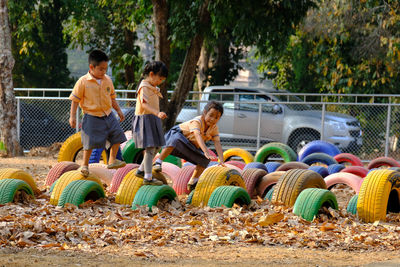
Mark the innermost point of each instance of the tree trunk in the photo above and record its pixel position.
(129, 39)
(8, 122)
(162, 42)
(203, 67)
(186, 76)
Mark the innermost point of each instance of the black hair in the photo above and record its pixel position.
(215, 105)
(157, 67)
(97, 56)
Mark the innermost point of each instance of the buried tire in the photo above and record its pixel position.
(227, 196)
(80, 191)
(9, 187)
(59, 169)
(150, 195)
(11, 173)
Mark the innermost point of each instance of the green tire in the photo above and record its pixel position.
(352, 206)
(80, 191)
(131, 154)
(228, 195)
(310, 201)
(269, 194)
(174, 160)
(189, 198)
(283, 150)
(8, 188)
(150, 195)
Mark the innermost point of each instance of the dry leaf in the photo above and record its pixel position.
(270, 219)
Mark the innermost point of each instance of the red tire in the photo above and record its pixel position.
(267, 182)
(119, 176)
(350, 158)
(236, 163)
(59, 169)
(171, 171)
(349, 179)
(180, 183)
(292, 165)
(252, 178)
(357, 170)
(383, 161)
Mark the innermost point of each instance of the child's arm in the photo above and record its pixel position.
(153, 111)
(115, 106)
(72, 116)
(218, 148)
(202, 145)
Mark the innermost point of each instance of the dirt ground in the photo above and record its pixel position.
(182, 236)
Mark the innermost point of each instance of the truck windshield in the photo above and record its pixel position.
(293, 98)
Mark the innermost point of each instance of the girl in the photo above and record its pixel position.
(147, 129)
(187, 141)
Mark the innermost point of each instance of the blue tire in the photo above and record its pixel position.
(272, 166)
(320, 169)
(255, 165)
(334, 168)
(320, 158)
(318, 146)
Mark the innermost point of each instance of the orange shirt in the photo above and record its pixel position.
(198, 124)
(149, 94)
(94, 98)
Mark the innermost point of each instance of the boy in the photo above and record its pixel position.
(94, 92)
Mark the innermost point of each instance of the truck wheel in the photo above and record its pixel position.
(301, 140)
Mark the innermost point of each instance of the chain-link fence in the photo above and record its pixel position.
(367, 126)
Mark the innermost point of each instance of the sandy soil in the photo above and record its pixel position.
(143, 252)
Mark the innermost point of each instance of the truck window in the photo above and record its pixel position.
(255, 99)
(225, 99)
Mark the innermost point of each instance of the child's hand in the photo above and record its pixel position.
(162, 115)
(221, 163)
(121, 116)
(72, 121)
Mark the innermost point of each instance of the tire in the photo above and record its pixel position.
(267, 182)
(119, 175)
(238, 152)
(320, 169)
(80, 191)
(227, 196)
(170, 170)
(257, 165)
(252, 178)
(68, 177)
(352, 206)
(8, 188)
(290, 185)
(174, 160)
(357, 170)
(272, 166)
(131, 154)
(318, 146)
(269, 194)
(189, 198)
(383, 161)
(301, 140)
(180, 183)
(150, 195)
(379, 194)
(59, 169)
(100, 171)
(11, 173)
(334, 168)
(238, 164)
(397, 169)
(292, 165)
(311, 200)
(234, 167)
(348, 179)
(275, 148)
(350, 158)
(128, 135)
(212, 178)
(96, 155)
(319, 158)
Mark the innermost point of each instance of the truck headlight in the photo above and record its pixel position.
(337, 125)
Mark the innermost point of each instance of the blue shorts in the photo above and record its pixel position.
(97, 130)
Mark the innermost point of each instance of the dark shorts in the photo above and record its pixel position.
(97, 130)
(183, 148)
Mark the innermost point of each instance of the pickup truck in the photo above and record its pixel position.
(280, 121)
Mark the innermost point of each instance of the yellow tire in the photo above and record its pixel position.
(238, 152)
(70, 148)
(379, 194)
(212, 178)
(65, 179)
(131, 184)
(290, 185)
(11, 173)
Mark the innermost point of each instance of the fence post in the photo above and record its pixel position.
(388, 129)
(77, 120)
(259, 126)
(323, 122)
(18, 119)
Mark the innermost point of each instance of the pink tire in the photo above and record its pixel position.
(238, 164)
(128, 135)
(170, 170)
(292, 165)
(252, 178)
(357, 170)
(348, 179)
(100, 171)
(383, 161)
(234, 167)
(350, 158)
(180, 183)
(59, 169)
(267, 182)
(119, 175)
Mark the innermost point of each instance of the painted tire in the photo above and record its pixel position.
(318, 146)
(320, 169)
(238, 152)
(227, 196)
(128, 135)
(281, 149)
(310, 201)
(383, 161)
(119, 176)
(150, 195)
(379, 194)
(100, 171)
(357, 170)
(234, 167)
(189, 198)
(99, 153)
(252, 178)
(290, 185)
(180, 183)
(272, 166)
(267, 182)
(352, 206)
(170, 170)
(334, 168)
(9, 187)
(59, 169)
(80, 191)
(68, 177)
(11, 173)
(292, 165)
(350, 158)
(236, 163)
(319, 158)
(348, 179)
(255, 165)
(174, 160)
(131, 154)
(212, 178)
(269, 194)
